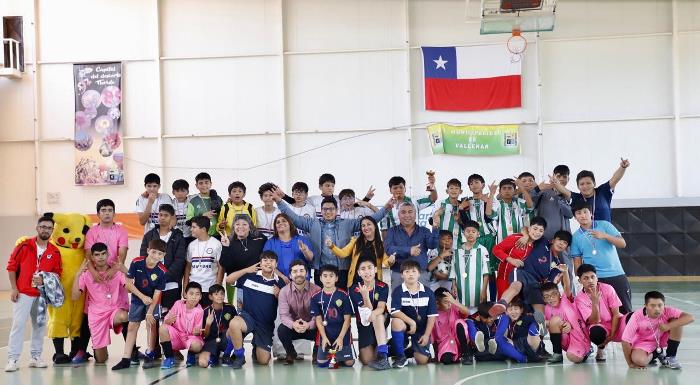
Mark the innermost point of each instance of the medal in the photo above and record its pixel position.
(324, 323)
(218, 340)
(419, 318)
(325, 313)
(659, 350)
(594, 252)
(109, 296)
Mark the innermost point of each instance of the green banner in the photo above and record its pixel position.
(474, 140)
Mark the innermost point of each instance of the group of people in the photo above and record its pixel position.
(489, 277)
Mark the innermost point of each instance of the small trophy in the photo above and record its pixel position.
(332, 362)
(430, 186)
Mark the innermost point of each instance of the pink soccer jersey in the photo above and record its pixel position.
(608, 300)
(642, 332)
(102, 304)
(576, 341)
(114, 237)
(181, 332)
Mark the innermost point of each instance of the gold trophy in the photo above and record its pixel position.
(430, 186)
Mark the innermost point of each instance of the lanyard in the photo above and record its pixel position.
(325, 312)
(592, 241)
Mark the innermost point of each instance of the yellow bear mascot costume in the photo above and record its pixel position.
(69, 236)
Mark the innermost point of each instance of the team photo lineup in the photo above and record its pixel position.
(494, 273)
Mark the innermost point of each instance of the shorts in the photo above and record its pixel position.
(524, 347)
(180, 340)
(168, 299)
(213, 347)
(262, 334)
(344, 354)
(574, 345)
(620, 328)
(138, 310)
(100, 324)
(421, 349)
(531, 293)
(365, 334)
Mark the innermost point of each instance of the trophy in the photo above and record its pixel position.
(430, 186)
(332, 362)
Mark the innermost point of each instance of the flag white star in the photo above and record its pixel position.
(440, 63)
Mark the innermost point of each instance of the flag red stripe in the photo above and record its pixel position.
(472, 94)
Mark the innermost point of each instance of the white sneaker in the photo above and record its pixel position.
(37, 362)
(493, 346)
(479, 341)
(600, 355)
(11, 366)
(671, 363)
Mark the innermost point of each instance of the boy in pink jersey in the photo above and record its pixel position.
(104, 309)
(599, 306)
(450, 333)
(652, 328)
(182, 327)
(567, 329)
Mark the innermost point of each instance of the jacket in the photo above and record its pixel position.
(175, 253)
(51, 293)
(23, 262)
(354, 253)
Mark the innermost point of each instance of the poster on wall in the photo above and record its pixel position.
(99, 149)
(474, 140)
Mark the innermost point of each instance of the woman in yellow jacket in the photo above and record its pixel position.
(368, 245)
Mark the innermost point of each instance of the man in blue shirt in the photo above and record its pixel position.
(330, 226)
(410, 242)
(261, 287)
(596, 243)
(413, 312)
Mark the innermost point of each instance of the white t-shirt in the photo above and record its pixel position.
(356, 213)
(204, 257)
(307, 211)
(317, 200)
(266, 221)
(181, 216)
(153, 217)
(165, 238)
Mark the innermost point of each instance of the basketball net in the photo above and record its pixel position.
(516, 45)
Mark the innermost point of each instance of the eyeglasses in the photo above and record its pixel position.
(328, 209)
(45, 227)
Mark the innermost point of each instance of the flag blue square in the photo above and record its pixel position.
(440, 62)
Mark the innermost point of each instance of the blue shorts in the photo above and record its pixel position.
(344, 354)
(137, 311)
(262, 334)
(421, 349)
(213, 347)
(531, 292)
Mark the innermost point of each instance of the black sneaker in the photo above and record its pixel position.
(149, 363)
(123, 364)
(400, 362)
(238, 363)
(135, 357)
(226, 361)
(380, 364)
(61, 359)
(467, 359)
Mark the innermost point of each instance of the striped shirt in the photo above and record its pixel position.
(449, 222)
(509, 217)
(468, 270)
(477, 213)
(392, 217)
(266, 221)
(203, 257)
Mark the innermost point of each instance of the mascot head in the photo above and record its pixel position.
(69, 230)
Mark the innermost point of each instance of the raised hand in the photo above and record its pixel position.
(370, 192)
(624, 163)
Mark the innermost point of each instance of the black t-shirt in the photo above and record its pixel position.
(242, 253)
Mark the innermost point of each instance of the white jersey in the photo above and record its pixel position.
(477, 213)
(356, 213)
(153, 216)
(317, 200)
(181, 216)
(266, 221)
(468, 270)
(204, 257)
(509, 217)
(448, 221)
(307, 211)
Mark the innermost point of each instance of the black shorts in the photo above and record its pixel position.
(524, 347)
(262, 335)
(365, 334)
(531, 292)
(213, 347)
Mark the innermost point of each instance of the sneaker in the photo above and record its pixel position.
(380, 364)
(585, 357)
(300, 356)
(498, 308)
(493, 346)
(135, 357)
(60, 359)
(601, 356)
(11, 366)
(79, 358)
(400, 362)
(191, 360)
(238, 362)
(671, 363)
(168, 363)
(179, 356)
(539, 318)
(37, 362)
(213, 361)
(226, 361)
(556, 358)
(123, 364)
(479, 341)
(149, 364)
(467, 359)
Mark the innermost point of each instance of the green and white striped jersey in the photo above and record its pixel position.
(392, 217)
(468, 270)
(449, 222)
(509, 217)
(477, 213)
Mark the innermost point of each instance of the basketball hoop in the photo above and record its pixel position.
(516, 45)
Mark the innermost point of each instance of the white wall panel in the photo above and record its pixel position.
(216, 27)
(689, 63)
(16, 112)
(607, 79)
(92, 30)
(312, 25)
(17, 171)
(688, 15)
(57, 104)
(347, 91)
(222, 96)
(437, 22)
(598, 147)
(690, 156)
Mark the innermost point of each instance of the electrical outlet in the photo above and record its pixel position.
(53, 198)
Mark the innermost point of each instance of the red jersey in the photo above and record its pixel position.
(502, 251)
(23, 261)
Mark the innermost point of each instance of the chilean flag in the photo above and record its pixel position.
(470, 78)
